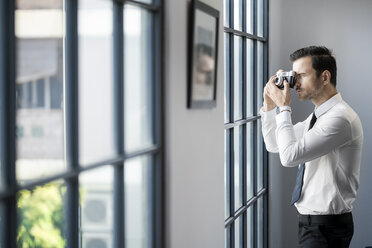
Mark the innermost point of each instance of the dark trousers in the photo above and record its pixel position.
(325, 231)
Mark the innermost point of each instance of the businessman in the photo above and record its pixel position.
(326, 147)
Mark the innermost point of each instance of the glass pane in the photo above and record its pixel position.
(39, 89)
(96, 204)
(138, 78)
(249, 164)
(260, 223)
(227, 78)
(250, 227)
(238, 14)
(238, 79)
(95, 81)
(227, 173)
(249, 16)
(40, 216)
(138, 185)
(237, 168)
(260, 76)
(238, 233)
(226, 13)
(260, 18)
(249, 78)
(260, 151)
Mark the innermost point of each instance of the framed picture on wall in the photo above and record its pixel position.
(203, 47)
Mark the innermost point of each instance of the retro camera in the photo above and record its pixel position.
(289, 76)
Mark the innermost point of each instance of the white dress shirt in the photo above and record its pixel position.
(331, 151)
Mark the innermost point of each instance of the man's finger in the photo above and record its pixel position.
(272, 85)
(266, 91)
(286, 85)
(272, 79)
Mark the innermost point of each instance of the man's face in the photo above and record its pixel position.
(308, 86)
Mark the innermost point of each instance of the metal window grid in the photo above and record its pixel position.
(231, 124)
(8, 196)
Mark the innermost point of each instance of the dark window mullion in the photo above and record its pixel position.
(265, 79)
(241, 122)
(228, 236)
(255, 180)
(245, 131)
(244, 176)
(243, 209)
(158, 168)
(265, 18)
(243, 34)
(231, 131)
(228, 173)
(232, 184)
(231, 178)
(152, 7)
(118, 46)
(254, 124)
(8, 210)
(254, 62)
(254, 20)
(71, 117)
(265, 153)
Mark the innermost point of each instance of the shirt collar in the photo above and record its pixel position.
(327, 105)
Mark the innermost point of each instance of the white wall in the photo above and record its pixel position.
(194, 145)
(344, 26)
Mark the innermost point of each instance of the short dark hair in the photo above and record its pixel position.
(322, 59)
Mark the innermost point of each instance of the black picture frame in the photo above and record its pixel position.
(203, 55)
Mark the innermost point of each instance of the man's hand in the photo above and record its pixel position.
(268, 103)
(278, 96)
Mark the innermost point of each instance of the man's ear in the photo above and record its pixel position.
(326, 77)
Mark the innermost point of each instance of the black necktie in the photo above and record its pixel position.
(300, 173)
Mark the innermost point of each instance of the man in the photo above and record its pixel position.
(326, 147)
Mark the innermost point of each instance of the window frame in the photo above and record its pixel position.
(10, 187)
(230, 124)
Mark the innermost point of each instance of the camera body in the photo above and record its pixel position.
(289, 76)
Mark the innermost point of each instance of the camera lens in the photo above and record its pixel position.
(279, 82)
(279, 79)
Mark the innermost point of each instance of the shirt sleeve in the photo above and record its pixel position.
(326, 135)
(268, 130)
(269, 126)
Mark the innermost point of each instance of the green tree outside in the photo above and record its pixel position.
(40, 212)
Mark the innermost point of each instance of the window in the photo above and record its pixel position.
(245, 158)
(81, 153)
